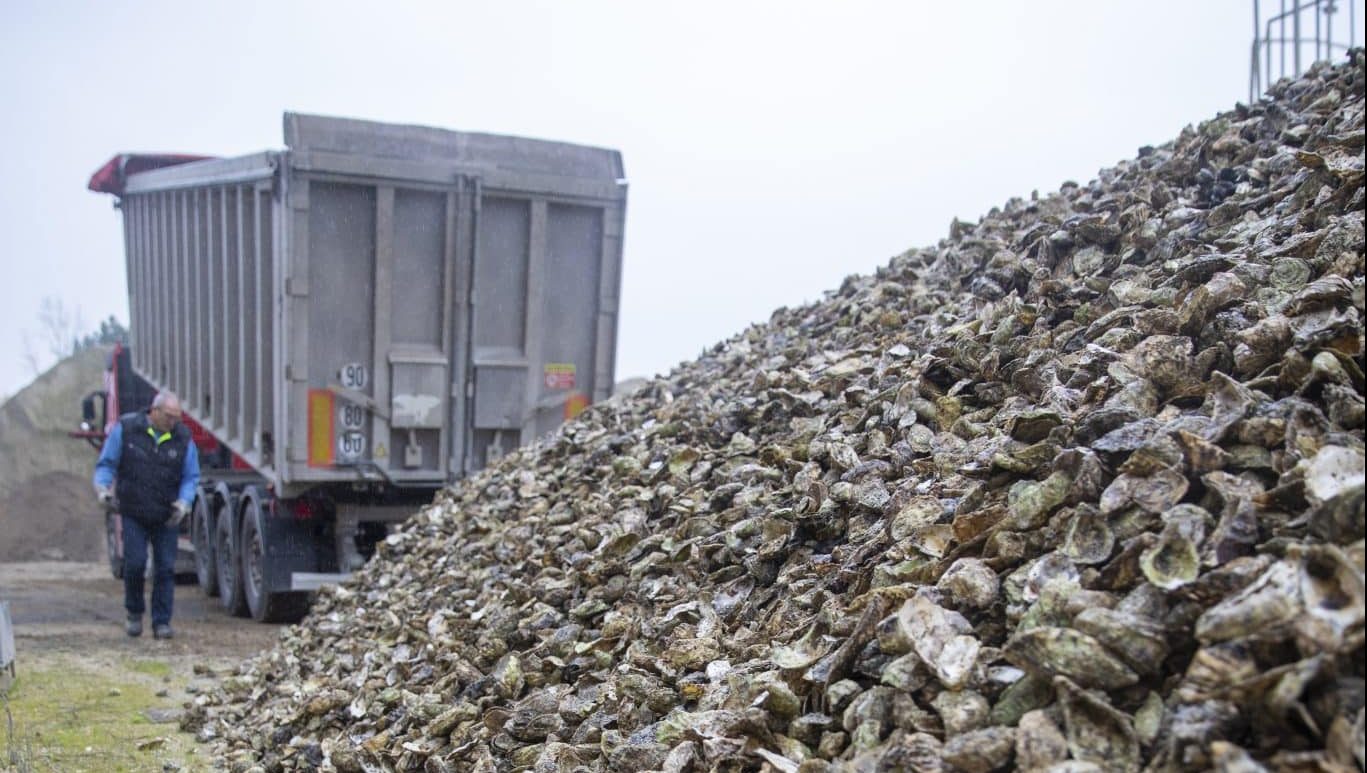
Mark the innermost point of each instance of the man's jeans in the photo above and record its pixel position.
(136, 537)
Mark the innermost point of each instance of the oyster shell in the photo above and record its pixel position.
(1140, 642)
(1089, 538)
(1174, 560)
(1039, 742)
(942, 638)
(970, 583)
(980, 751)
(1096, 731)
(1049, 650)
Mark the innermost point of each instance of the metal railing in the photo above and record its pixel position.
(1283, 41)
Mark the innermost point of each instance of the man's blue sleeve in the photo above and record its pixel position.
(189, 475)
(109, 457)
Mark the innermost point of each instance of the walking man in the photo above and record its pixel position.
(150, 468)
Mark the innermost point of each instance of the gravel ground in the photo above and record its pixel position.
(60, 606)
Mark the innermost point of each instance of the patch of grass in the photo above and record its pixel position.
(151, 667)
(72, 716)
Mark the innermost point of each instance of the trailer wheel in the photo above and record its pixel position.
(265, 605)
(202, 532)
(113, 546)
(230, 593)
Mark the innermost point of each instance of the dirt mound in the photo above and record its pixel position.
(51, 518)
(47, 510)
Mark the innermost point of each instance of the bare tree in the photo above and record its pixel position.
(31, 358)
(59, 332)
(62, 329)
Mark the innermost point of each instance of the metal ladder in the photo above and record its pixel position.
(1285, 35)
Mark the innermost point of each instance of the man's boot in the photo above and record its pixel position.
(134, 627)
(163, 631)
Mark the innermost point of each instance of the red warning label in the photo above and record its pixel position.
(558, 375)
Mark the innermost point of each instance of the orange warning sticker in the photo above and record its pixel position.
(575, 405)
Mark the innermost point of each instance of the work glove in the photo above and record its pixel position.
(105, 495)
(178, 512)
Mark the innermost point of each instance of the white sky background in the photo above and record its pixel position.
(772, 148)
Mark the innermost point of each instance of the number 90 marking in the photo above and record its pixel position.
(352, 375)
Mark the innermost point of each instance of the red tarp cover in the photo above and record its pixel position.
(111, 177)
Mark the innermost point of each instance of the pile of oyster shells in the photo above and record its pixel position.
(1078, 489)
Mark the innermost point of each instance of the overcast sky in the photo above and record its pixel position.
(772, 148)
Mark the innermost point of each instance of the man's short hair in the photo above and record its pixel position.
(163, 398)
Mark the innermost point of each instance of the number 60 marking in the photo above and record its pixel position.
(351, 446)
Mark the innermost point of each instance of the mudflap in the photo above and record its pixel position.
(290, 546)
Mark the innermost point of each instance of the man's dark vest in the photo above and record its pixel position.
(149, 472)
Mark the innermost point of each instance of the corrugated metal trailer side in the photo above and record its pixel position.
(382, 303)
(202, 267)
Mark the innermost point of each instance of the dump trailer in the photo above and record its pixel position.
(359, 319)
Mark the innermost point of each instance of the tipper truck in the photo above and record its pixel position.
(353, 322)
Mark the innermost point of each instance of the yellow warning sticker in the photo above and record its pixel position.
(321, 416)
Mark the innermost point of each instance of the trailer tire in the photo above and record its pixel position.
(264, 605)
(202, 533)
(112, 545)
(230, 593)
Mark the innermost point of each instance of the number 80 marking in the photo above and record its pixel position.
(351, 416)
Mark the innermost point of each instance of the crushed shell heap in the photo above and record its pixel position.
(1079, 489)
